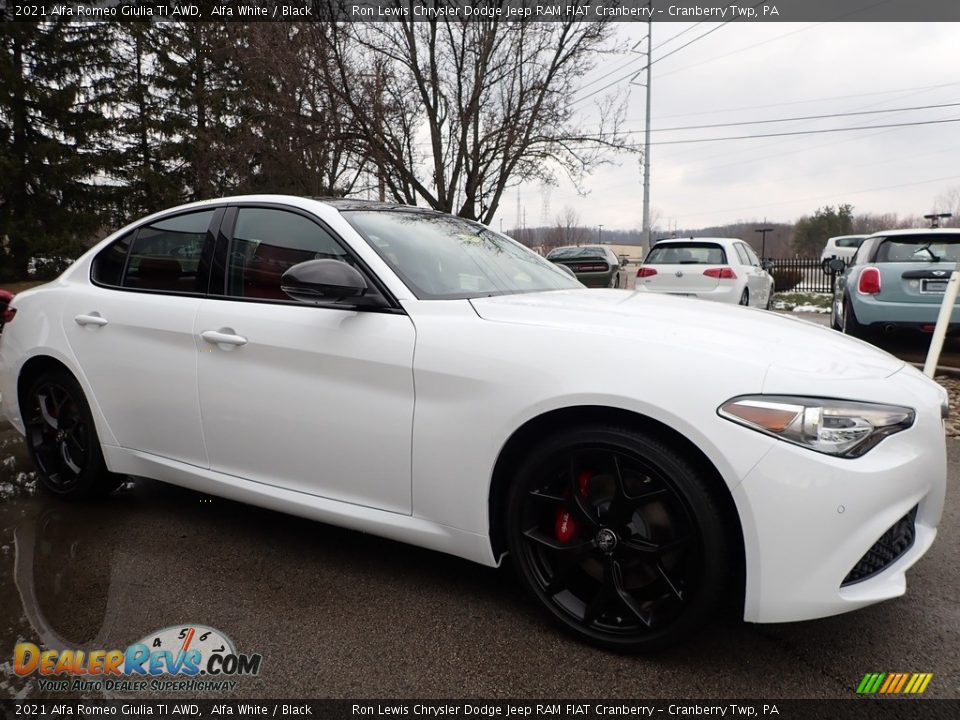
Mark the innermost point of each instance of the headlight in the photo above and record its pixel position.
(835, 427)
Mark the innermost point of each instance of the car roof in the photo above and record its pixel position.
(917, 231)
(844, 237)
(697, 240)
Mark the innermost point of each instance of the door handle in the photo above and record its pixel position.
(94, 318)
(223, 337)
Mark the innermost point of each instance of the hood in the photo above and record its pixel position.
(696, 326)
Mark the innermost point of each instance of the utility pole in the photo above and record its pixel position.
(646, 133)
(763, 239)
(600, 234)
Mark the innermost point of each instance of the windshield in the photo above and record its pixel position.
(445, 257)
(686, 253)
(919, 248)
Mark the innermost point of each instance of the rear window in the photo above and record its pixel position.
(686, 254)
(919, 248)
(850, 242)
(569, 253)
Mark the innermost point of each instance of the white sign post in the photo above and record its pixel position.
(943, 322)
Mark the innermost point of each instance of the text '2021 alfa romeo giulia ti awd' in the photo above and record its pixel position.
(642, 458)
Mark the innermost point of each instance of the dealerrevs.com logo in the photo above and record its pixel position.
(179, 658)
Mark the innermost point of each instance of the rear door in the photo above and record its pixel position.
(132, 331)
(757, 278)
(680, 267)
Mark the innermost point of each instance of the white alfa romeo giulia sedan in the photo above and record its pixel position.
(642, 458)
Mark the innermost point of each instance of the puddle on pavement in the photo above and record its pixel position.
(104, 574)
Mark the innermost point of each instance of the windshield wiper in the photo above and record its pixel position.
(926, 248)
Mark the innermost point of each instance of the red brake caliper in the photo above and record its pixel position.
(565, 527)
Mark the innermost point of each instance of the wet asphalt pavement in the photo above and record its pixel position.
(337, 613)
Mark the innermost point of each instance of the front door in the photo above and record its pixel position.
(313, 399)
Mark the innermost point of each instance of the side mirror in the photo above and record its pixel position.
(322, 281)
(767, 265)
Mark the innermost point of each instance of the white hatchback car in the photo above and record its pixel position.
(722, 269)
(402, 372)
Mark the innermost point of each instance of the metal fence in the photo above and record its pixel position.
(803, 275)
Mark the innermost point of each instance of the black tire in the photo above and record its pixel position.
(619, 538)
(770, 295)
(62, 439)
(616, 281)
(850, 325)
(745, 297)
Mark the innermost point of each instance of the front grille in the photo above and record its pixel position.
(892, 544)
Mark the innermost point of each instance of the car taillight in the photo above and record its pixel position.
(591, 267)
(7, 316)
(721, 273)
(646, 272)
(869, 283)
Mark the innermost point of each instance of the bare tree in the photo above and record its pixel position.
(567, 229)
(455, 112)
(949, 202)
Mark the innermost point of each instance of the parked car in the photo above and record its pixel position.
(5, 298)
(842, 246)
(644, 459)
(721, 269)
(896, 280)
(593, 265)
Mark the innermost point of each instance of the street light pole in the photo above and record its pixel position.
(646, 133)
(763, 240)
(600, 234)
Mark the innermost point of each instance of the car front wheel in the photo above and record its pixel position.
(618, 537)
(62, 439)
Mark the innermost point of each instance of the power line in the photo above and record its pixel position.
(822, 197)
(808, 101)
(639, 57)
(791, 119)
(805, 132)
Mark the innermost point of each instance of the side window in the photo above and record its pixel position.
(751, 256)
(107, 267)
(266, 242)
(741, 253)
(166, 255)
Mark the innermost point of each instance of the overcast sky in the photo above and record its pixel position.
(792, 70)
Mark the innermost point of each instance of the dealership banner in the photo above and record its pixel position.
(484, 10)
(485, 710)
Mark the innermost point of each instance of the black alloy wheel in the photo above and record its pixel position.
(62, 439)
(618, 537)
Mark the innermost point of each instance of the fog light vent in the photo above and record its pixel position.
(894, 543)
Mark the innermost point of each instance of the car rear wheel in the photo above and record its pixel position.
(618, 537)
(62, 439)
(745, 297)
(849, 324)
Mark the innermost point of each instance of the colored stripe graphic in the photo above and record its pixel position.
(894, 683)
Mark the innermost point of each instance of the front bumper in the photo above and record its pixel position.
(809, 519)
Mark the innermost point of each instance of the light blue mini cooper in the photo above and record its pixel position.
(895, 281)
